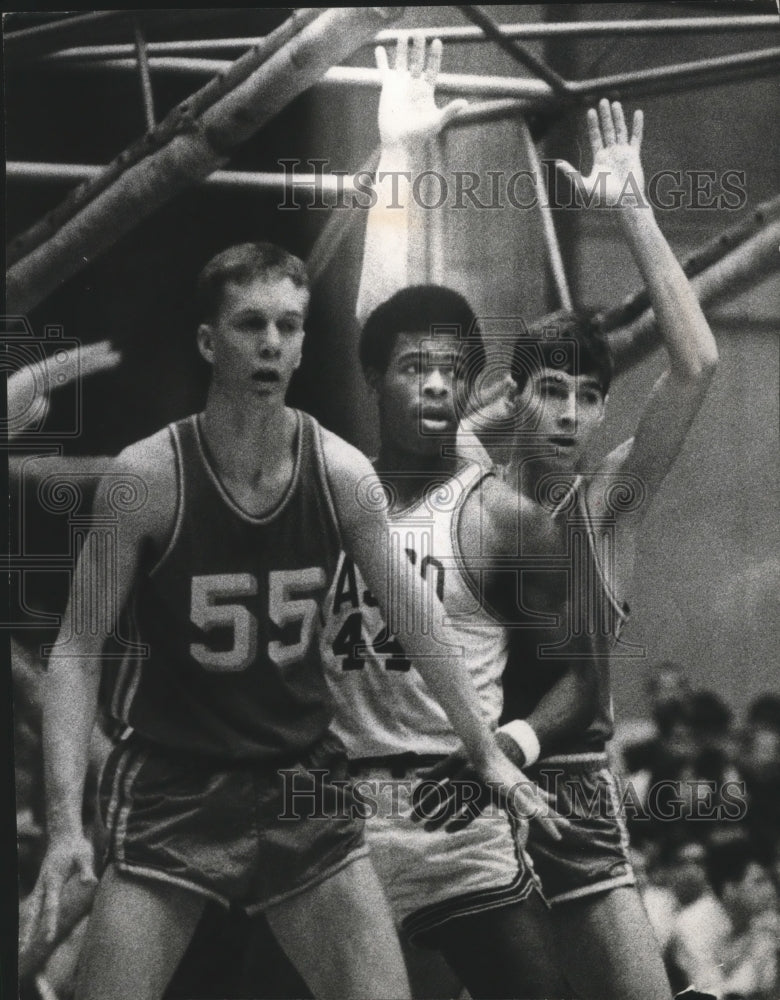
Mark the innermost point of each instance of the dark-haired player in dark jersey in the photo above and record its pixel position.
(558, 703)
(200, 584)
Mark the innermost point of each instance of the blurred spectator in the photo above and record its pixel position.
(636, 741)
(726, 942)
(759, 762)
(683, 871)
(710, 720)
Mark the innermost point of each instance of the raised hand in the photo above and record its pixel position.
(617, 178)
(408, 115)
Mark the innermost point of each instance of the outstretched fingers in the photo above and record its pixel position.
(417, 56)
(594, 132)
(401, 53)
(607, 124)
(621, 132)
(433, 62)
(380, 56)
(638, 129)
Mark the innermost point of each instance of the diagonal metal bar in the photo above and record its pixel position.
(742, 268)
(707, 255)
(146, 78)
(698, 69)
(24, 44)
(180, 119)
(515, 49)
(555, 257)
(336, 229)
(191, 156)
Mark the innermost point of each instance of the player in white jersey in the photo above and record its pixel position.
(472, 895)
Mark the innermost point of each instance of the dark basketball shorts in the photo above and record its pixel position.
(592, 856)
(433, 877)
(251, 834)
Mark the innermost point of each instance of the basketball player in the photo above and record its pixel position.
(471, 895)
(209, 586)
(606, 946)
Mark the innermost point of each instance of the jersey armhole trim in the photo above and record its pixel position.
(179, 517)
(327, 489)
(480, 478)
(620, 608)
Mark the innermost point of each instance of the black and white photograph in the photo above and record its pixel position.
(393, 563)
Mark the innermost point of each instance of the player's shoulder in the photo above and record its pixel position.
(353, 482)
(142, 485)
(153, 455)
(343, 461)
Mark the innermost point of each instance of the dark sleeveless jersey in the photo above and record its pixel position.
(569, 613)
(230, 614)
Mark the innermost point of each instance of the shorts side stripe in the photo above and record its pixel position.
(113, 802)
(592, 890)
(609, 779)
(127, 800)
(160, 876)
(478, 896)
(429, 917)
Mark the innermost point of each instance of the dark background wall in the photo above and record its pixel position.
(707, 588)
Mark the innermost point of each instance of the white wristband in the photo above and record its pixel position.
(524, 736)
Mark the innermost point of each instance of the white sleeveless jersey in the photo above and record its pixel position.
(383, 706)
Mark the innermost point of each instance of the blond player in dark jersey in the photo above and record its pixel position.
(203, 573)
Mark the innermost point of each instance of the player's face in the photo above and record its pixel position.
(254, 344)
(418, 392)
(562, 410)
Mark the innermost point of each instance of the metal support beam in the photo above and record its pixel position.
(146, 77)
(326, 184)
(25, 44)
(180, 119)
(191, 156)
(697, 262)
(742, 268)
(517, 51)
(638, 83)
(336, 229)
(555, 259)
(453, 35)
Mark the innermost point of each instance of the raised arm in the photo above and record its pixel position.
(409, 120)
(617, 182)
